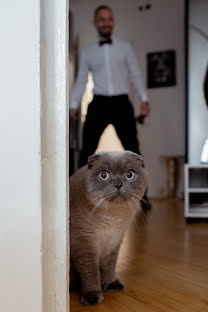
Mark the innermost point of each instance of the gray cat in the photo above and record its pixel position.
(105, 197)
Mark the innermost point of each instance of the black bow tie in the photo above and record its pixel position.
(108, 41)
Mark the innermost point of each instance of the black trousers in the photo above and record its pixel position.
(105, 110)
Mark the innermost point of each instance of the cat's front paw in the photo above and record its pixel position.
(92, 298)
(115, 286)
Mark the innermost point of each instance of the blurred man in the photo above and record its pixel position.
(112, 63)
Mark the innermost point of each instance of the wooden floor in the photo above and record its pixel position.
(163, 264)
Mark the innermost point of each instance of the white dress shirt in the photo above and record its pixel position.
(112, 65)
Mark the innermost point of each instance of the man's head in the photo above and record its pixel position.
(104, 21)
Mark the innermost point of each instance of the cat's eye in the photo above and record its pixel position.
(104, 175)
(130, 174)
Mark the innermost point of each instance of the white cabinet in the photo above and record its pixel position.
(196, 191)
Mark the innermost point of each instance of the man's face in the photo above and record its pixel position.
(104, 22)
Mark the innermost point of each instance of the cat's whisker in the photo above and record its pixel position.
(99, 203)
(94, 199)
(135, 221)
(130, 203)
(141, 198)
(131, 197)
(136, 225)
(101, 195)
(144, 219)
(132, 210)
(144, 200)
(96, 206)
(107, 204)
(143, 214)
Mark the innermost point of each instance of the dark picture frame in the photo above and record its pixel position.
(161, 68)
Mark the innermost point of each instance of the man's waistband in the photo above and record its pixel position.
(107, 97)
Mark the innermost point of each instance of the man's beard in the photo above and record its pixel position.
(104, 35)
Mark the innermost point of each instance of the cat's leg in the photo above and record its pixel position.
(107, 270)
(88, 269)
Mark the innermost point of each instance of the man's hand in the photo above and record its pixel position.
(144, 109)
(73, 115)
(144, 112)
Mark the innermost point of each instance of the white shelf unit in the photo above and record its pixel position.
(196, 191)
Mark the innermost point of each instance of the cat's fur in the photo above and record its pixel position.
(100, 213)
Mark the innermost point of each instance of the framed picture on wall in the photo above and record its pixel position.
(161, 68)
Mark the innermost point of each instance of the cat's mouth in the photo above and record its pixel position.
(117, 196)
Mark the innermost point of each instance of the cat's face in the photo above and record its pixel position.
(115, 177)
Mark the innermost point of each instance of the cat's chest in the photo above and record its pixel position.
(109, 234)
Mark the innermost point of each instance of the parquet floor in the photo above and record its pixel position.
(163, 264)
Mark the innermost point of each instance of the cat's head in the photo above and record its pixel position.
(115, 177)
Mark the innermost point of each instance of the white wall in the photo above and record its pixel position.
(20, 200)
(198, 62)
(34, 203)
(159, 29)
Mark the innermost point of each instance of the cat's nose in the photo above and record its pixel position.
(118, 186)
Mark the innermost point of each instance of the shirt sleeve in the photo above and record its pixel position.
(80, 82)
(135, 74)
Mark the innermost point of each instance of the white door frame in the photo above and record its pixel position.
(54, 154)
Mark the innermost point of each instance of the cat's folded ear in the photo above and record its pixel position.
(137, 157)
(93, 158)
